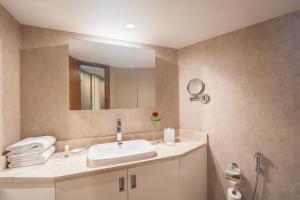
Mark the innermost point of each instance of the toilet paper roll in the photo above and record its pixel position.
(233, 194)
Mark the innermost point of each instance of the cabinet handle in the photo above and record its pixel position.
(133, 181)
(121, 184)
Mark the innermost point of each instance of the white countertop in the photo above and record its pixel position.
(59, 168)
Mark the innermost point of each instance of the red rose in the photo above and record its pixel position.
(155, 114)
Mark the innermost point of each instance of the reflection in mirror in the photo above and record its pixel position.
(146, 78)
(105, 76)
(123, 69)
(81, 53)
(93, 82)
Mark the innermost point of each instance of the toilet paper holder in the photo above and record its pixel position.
(233, 174)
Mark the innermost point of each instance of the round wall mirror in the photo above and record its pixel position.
(195, 87)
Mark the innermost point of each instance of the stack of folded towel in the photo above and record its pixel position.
(30, 151)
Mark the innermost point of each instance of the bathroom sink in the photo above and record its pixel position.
(113, 153)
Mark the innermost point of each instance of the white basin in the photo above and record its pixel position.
(112, 153)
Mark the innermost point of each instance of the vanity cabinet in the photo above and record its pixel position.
(193, 175)
(148, 182)
(28, 191)
(154, 181)
(180, 178)
(110, 186)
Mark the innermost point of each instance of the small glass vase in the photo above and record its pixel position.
(154, 135)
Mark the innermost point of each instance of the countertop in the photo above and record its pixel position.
(59, 168)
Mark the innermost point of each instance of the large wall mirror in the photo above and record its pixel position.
(106, 76)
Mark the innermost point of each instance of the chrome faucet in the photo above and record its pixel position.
(119, 132)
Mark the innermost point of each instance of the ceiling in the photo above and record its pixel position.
(169, 23)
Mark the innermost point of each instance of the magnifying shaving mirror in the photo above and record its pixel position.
(196, 89)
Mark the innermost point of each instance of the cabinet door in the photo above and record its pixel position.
(154, 181)
(23, 191)
(107, 186)
(193, 175)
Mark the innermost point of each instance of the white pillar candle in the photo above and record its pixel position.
(67, 150)
(169, 136)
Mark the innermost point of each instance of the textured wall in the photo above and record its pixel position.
(10, 42)
(45, 90)
(253, 77)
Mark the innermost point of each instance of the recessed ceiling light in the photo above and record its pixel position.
(130, 26)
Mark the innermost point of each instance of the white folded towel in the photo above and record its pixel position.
(31, 145)
(37, 159)
(24, 157)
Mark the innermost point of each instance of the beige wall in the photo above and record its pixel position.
(45, 109)
(10, 41)
(253, 78)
